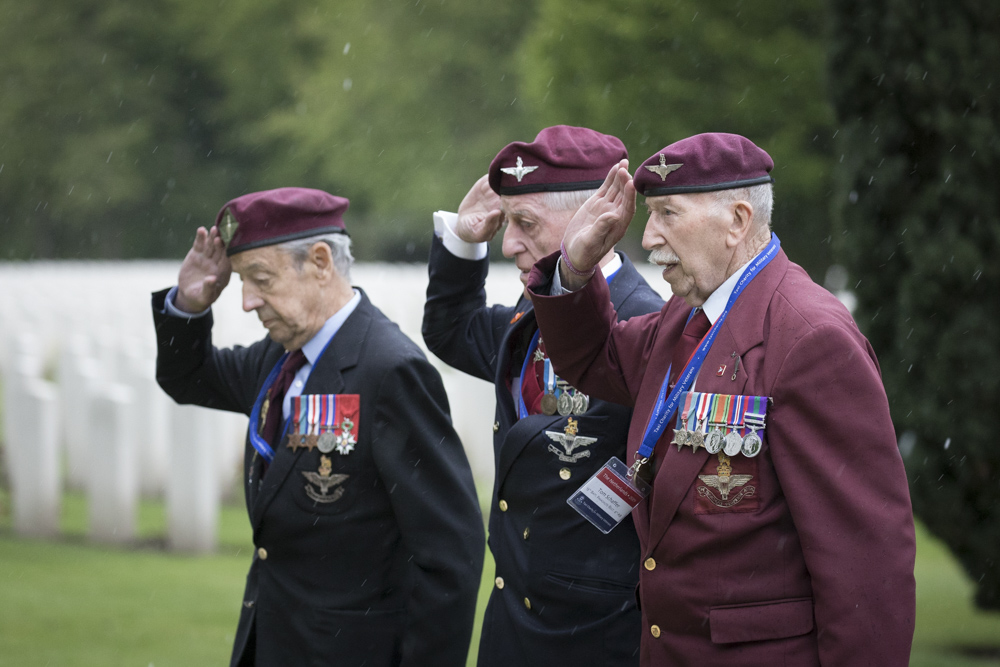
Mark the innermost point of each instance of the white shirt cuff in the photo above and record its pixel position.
(444, 228)
(174, 311)
(557, 288)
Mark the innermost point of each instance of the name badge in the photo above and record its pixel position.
(609, 495)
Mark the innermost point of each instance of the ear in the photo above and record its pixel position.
(320, 258)
(740, 223)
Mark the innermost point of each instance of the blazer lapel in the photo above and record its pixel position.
(742, 330)
(516, 440)
(326, 377)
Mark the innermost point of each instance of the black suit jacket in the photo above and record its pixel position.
(567, 594)
(387, 574)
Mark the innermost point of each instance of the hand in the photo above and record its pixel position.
(204, 273)
(598, 225)
(479, 215)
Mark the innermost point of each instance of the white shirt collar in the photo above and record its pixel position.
(717, 300)
(318, 343)
(613, 265)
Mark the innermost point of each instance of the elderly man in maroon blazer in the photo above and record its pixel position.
(779, 530)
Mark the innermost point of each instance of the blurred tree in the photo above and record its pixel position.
(652, 72)
(104, 143)
(918, 213)
(405, 109)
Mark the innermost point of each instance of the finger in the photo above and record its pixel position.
(200, 238)
(608, 180)
(630, 198)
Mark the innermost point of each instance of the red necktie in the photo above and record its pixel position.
(533, 386)
(276, 395)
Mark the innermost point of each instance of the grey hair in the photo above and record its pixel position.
(564, 201)
(340, 246)
(760, 197)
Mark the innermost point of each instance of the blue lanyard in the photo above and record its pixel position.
(666, 406)
(262, 446)
(522, 410)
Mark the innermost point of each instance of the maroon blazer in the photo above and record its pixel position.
(815, 565)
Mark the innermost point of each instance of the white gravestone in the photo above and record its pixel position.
(35, 484)
(193, 485)
(112, 485)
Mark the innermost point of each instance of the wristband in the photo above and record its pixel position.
(569, 265)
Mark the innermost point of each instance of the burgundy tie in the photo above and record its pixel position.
(276, 395)
(694, 331)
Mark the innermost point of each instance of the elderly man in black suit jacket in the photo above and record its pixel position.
(564, 593)
(368, 535)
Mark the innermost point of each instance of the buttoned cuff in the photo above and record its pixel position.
(444, 228)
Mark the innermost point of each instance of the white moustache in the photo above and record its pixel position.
(659, 256)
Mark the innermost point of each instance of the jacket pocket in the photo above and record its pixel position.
(758, 621)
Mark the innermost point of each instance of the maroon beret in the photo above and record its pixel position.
(274, 216)
(704, 163)
(560, 159)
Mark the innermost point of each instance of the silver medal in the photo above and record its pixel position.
(326, 442)
(713, 441)
(733, 443)
(564, 404)
(580, 403)
(751, 444)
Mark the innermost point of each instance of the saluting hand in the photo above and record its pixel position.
(599, 224)
(204, 273)
(479, 215)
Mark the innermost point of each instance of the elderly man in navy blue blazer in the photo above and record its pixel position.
(367, 531)
(564, 593)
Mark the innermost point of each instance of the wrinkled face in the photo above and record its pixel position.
(533, 229)
(686, 235)
(287, 299)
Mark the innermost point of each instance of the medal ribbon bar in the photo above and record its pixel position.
(666, 405)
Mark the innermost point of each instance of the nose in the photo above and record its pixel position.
(651, 238)
(512, 242)
(251, 300)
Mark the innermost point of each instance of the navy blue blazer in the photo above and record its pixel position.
(564, 593)
(388, 573)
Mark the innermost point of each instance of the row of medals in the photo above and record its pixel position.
(324, 442)
(569, 402)
(717, 439)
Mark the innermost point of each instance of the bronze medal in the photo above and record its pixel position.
(549, 404)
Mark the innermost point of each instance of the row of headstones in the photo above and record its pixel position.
(120, 437)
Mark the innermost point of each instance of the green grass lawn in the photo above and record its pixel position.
(70, 603)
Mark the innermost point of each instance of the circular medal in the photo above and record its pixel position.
(326, 442)
(580, 403)
(564, 404)
(733, 443)
(549, 404)
(713, 442)
(751, 445)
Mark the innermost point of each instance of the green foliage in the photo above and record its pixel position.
(652, 72)
(408, 104)
(919, 225)
(102, 135)
(125, 126)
